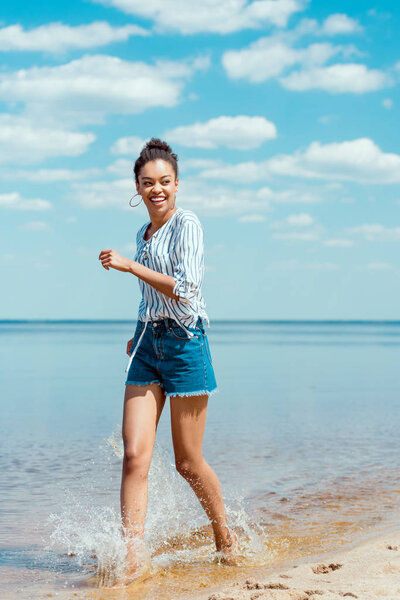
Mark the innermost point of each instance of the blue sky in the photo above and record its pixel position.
(285, 117)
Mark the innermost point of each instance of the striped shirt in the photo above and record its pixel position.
(175, 249)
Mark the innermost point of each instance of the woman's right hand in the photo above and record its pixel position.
(129, 347)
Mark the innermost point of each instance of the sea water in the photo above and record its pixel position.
(303, 435)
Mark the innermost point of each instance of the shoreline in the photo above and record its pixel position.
(366, 569)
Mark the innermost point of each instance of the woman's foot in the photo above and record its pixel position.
(137, 565)
(134, 572)
(230, 550)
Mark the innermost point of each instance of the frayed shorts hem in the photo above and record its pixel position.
(169, 394)
(144, 382)
(196, 393)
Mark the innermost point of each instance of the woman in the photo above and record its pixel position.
(170, 355)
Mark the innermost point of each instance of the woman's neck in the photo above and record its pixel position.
(156, 222)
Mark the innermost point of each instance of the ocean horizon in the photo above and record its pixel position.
(269, 321)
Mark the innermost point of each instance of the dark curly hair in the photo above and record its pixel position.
(154, 149)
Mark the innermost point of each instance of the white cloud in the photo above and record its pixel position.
(293, 196)
(14, 201)
(34, 226)
(300, 220)
(339, 243)
(379, 15)
(104, 194)
(379, 266)
(244, 173)
(339, 24)
(49, 175)
(251, 219)
(264, 59)
(211, 16)
(23, 140)
(387, 103)
(357, 160)
(201, 63)
(270, 56)
(241, 132)
(336, 24)
(336, 79)
(196, 164)
(300, 227)
(128, 145)
(325, 119)
(375, 232)
(121, 167)
(240, 172)
(369, 229)
(38, 264)
(8, 259)
(218, 199)
(296, 265)
(321, 266)
(87, 89)
(57, 37)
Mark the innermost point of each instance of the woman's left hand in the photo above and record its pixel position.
(111, 258)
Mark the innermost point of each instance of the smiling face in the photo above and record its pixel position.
(157, 185)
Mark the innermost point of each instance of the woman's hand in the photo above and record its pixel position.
(111, 258)
(129, 347)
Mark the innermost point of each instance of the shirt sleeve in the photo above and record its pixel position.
(189, 268)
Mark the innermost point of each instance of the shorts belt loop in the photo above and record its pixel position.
(166, 323)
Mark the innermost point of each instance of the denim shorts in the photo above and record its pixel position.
(182, 366)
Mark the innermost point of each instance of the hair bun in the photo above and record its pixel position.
(159, 145)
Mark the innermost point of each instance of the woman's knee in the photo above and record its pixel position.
(137, 459)
(189, 468)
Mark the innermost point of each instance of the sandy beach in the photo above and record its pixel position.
(367, 571)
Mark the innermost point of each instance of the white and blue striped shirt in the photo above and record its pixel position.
(175, 249)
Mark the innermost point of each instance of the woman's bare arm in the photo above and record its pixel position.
(163, 283)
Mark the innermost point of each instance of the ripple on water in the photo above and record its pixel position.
(85, 532)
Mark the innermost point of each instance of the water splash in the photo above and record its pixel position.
(90, 534)
(177, 530)
(114, 441)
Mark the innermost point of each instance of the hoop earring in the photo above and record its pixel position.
(133, 205)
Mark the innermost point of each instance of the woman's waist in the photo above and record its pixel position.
(185, 313)
(168, 322)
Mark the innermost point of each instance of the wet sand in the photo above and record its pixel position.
(368, 571)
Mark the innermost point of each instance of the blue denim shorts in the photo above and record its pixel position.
(182, 366)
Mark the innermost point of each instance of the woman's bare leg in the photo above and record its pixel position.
(143, 406)
(188, 419)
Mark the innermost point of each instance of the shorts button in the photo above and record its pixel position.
(154, 324)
